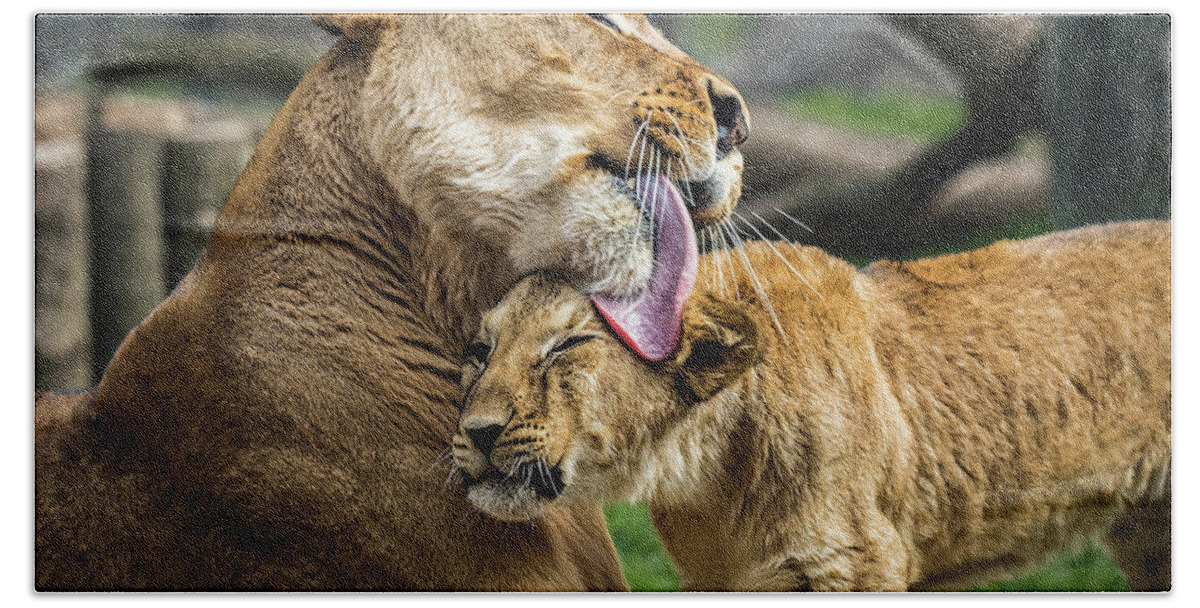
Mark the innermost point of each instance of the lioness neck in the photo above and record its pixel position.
(316, 244)
(329, 197)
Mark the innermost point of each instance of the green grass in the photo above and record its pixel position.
(1088, 569)
(894, 113)
(647, 567)
(708, 36)
(1021, 229)
(645, 562)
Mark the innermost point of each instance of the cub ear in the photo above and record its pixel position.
(719, 342)
(359, 27)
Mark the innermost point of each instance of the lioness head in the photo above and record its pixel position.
(563, 140)
(558, 410)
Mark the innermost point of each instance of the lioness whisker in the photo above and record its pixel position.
(637, 181)
(769, 225)
(636, 135)
(686, 176)
(718, 277)
(729, 261)
(617, 94)
(656, 171)
(710, 271)
(642, 150)
(728, 280)
(796, 221)
(715, 254)
(778, 232)
(778, 254)
(667, 173)
(686, 160)
(762, 293)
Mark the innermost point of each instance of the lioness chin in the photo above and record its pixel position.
(916, 425)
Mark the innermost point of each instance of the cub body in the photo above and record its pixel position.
(916, 425)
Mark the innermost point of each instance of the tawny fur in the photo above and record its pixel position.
(281, 421)
(927, 424)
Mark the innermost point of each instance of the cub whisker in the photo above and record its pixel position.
(450, 477)
(544, 469)
(442, 456)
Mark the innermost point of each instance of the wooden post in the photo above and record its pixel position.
(201, 167)
(62, 327)
(127, 273)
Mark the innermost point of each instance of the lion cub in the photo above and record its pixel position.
(915, 425)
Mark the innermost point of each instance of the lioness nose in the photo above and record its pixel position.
(730, 116)
(484, 436)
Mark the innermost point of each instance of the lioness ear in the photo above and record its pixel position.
(358, 27)
(719, 342)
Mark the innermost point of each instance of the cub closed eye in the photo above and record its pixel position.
(569, 343)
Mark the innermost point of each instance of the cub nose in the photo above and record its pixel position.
(730, 115)
(484, 436)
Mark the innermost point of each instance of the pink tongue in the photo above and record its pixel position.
(649, 322)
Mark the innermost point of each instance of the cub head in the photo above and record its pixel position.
(555, 138)
(558, 410)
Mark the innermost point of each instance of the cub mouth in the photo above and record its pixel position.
(544, 482)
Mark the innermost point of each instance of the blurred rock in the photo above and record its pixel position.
(1095, 87)
(260, 55)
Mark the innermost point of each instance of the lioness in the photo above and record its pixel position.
(917, 425)
(282, 420)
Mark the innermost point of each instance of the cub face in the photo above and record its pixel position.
(557, 410)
